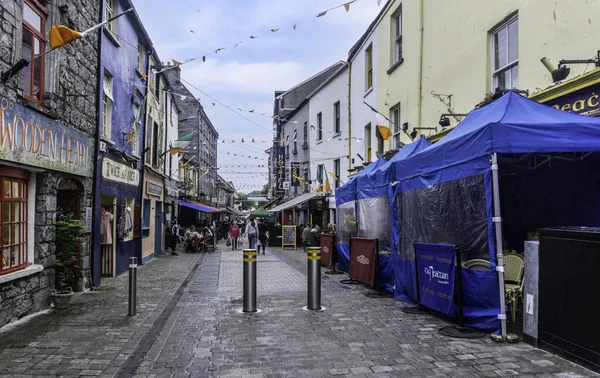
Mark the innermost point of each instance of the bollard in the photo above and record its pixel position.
(132, 285)
(249, 280)
(314, 278)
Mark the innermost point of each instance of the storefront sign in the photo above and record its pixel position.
(581, 102)
(363, 260)
(436, 267)
(153, 189)
(280, 169)
(113, 171)
(30, 138)
(295, 169)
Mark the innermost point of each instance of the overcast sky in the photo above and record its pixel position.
(247, 76)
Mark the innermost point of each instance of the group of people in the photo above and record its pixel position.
(257, 232)
(311, 234)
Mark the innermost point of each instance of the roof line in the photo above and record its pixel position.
(356, 47)
(309, 79)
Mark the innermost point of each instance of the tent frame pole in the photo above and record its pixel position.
(499, 253)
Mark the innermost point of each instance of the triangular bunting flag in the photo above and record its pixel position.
(294, 26)
(176, 63)
(347, 6)
(274, 30)
(253, 37)
(322, 14)
(204, 58)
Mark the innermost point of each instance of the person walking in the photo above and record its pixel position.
(252, 232)
(174, 236)
(306, 236)
(262, 236)
(234, 234)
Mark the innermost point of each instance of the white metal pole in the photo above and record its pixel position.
(497, 219)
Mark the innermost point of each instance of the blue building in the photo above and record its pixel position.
(124, 50)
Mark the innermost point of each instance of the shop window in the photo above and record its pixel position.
(505, 55)
(146, 221)
(13, 219)
(33, 43)
(130, 208)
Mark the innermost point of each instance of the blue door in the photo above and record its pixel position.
(158, 228)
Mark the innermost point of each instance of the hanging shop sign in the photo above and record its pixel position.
(114, 171)
(28, 137)
(436, 267)
(295, 169)
(153, 189)
(280, 169)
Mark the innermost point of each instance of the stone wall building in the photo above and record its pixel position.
(47, 147)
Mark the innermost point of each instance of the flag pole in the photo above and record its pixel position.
(12, 71)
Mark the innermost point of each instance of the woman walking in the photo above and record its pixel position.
(234, 234)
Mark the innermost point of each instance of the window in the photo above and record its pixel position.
(320, 126)
(305, 144)
(130, 204)
(107, 106)
(395, 117)
(368, 143)
(320, 173)
(336, 114)
(505, 59)
(379, 140)
(13, 200)
(112, 9)
(146, 223)
(369, 67)
(140, 58)
(397, 36)
(157, 88)
(336, 172)
(33, 43)
(136, 130)
(306, 176)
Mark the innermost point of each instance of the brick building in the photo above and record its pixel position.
(47, 147)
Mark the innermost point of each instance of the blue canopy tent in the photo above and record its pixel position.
(345, 202)
(449, 192)
(375, 218)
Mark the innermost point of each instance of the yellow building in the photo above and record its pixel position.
(465, 49)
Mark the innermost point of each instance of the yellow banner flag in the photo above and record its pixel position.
(177, 63)
(186, 163)
(61, 35)
(130, 137)
(333, 176)
(327, 186)
(384, 131)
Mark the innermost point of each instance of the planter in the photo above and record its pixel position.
(61, 300)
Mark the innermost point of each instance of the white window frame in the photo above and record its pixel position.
(496, 71)
(111, 10)
(396, 36)
(395, 115)
(369, 68)
(140, 58)
(107, 104)
(368, 147)
(337, 118)
(136, 129)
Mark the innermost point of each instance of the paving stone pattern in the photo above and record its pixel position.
(207, 335)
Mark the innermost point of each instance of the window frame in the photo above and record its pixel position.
(369, 67)
(320, 126)
(41, 61)
(396, 121)
(146, 213)
(140, 58)
(136, 127)
(111, 27)
(508, 67)
(336, 172)
(396, 36)
(337, 115)
(368, 148)
(130, 201)
(22, 178)
(107, 105)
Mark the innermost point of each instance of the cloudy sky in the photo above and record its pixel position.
(246, 76)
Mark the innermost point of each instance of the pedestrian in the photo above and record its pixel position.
(262, 235)
(174, 236)
(306, 236)
(252, 232)
(234, 234)
(315, 236)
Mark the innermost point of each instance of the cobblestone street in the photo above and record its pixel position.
(190, 325)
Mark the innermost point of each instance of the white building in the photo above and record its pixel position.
(171, 166)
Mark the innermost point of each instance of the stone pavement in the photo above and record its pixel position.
(190, 325)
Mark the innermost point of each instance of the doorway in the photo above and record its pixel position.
(68, 202)
(158, 223)
(108, 240)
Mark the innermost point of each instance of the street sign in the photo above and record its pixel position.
(286, 185)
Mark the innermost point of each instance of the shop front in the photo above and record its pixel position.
(119, 195)
(45, 172)
(319, 211)
(152, 216)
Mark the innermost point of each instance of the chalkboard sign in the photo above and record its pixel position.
(289, 237)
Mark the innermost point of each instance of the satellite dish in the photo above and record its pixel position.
(378, 154)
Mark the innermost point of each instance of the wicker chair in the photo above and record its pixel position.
(477, 264)
(514, 268)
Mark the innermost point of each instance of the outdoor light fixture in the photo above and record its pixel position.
(413, 134)
(444, 121)
(405, 126)
(562, 71)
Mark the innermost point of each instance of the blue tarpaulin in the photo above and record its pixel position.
(444, 193)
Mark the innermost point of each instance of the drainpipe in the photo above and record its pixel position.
(422, 27)
(349, 115)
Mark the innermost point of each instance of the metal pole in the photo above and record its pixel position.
(497, 219)
(459, 287)
(249, 280)
(132, 285)
(313, 256)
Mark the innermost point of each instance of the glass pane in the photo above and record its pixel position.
(5, 258)
(5, 234)
(7, 189)
(500, 80)
(514, 75)
(32, 18)
(14, 258)
(6, 216)
(500, 53)
(15, 189)
(37, 79)
(14, 234)
(16, 211)
(513, 41)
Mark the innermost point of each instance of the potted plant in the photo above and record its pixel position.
(68, 230)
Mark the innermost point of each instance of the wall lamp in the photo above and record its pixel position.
(445, 121)
(561, 72)
(413, 134)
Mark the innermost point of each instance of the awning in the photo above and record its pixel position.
(271, 203)
(297, 201)
(199, 207)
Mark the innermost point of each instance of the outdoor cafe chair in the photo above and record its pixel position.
(514, 268)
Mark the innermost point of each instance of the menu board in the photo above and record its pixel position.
(289, 237)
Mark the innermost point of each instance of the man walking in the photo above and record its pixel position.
(306, 236)
(262, 236)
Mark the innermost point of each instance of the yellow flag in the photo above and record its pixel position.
(130, 137)
(319, 188)
(302, 181)
(177, 63)
(61, 35)
(384, 131)
(333, 176)
(186, 163)
(327, 185)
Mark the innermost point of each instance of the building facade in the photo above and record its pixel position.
(120, 133)
(171, 161)
(47, 147)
